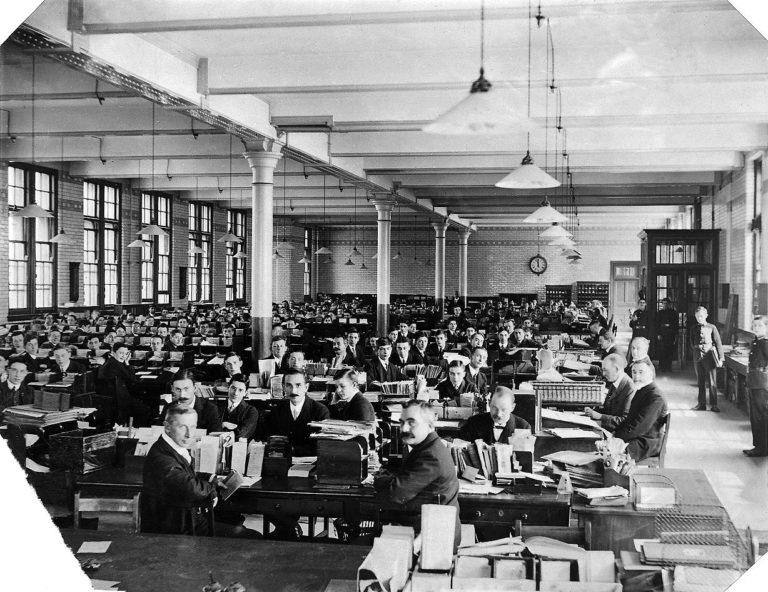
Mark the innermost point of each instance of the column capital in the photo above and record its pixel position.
(383, 204)
(464, 236)
(440, 228)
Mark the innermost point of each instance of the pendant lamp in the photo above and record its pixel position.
(546, 214)
(563, 241)
(555, 231)
(323, 250)
(363, 266)
(349, 261)
(528, 176)
(61, 238)
(229, 236)
(240, 255)
(137, 244)
(196, 250)
(276, 255)
(304, 259)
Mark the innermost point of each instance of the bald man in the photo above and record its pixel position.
(496, 425)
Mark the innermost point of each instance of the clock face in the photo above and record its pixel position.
(537, 264)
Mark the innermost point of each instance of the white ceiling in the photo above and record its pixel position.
(657, 97)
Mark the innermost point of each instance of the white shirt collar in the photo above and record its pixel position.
(472, 371)
(183, 452)
(296, 409)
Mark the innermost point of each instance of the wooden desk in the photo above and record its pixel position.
(736, 379)
(615, 528)
(298, 496)
(174, 563)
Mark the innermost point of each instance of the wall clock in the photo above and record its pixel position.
(537, 264)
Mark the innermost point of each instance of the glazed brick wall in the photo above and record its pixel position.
(3, 240)
(70, 218)
(287, 273)
(219, 259)
(497, 260)
(131, 258)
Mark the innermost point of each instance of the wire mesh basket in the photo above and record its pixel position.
(588, 393)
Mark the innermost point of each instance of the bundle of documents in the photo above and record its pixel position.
(401, 388)
(430, 371)
(478, 458)
(336, 429)
(712, 556)
(569, 417)
(573, 433)
(27, 415)
(316, 369)
(605, 496)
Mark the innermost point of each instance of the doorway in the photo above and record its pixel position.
(625, 285)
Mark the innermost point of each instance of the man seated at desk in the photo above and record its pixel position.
(341, 356)
(477, 340)
(402, 356)
(438, 348)
(93, 347)
(520, 340)
(175, 499)
(240, 418)
(183, 391)
(297, 360)
(642, 427)
(355, 347)
(117, 380)
(293, 414)
(419, 350)
(13, 391)
(351, 405)
(621, 389)
(176, 342)
(64, 365)
(279, 357)
(427, 474)
(450, 389)
(606, 342)
(233, 364)
(381, 369)
(496, 425)
(474, 374)
(157, 351)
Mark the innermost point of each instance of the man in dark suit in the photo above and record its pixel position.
(402, 355)
(240, 418)
(14, 391)
(117, 380)
(427, 473)
(452, 333)
(63, 364)
(621, 389)
(419, 350)
(475, 375)
(438, 348)
(355, 348)
(380, 369)
(520, 340)
(183, 391)
(642, 428)
(496, 425)
(176, 342)
(341, 356)
(450, 389)
(639, 320)
(607, 344)
(293, 414)
(279, 357)
(174, 499)
(351, 405)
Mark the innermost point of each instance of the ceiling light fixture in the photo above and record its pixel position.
(152, 229)
(229, 236)
(545, 214)
(555, 231)
(528, 176)
(323, 250)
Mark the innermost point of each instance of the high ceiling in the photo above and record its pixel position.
(655, 98)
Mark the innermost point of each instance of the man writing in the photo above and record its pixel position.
(496, 425)
(427, 474)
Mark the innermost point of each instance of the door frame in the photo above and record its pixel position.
(612, 278)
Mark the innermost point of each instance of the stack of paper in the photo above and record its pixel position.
(336, 429)
(605, 496)
(27, 415)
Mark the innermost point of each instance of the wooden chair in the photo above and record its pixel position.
(109, 504)
(657, 462)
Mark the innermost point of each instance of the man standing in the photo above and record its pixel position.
(639, 320)
(621, 389)
(293, 414)
(707, 348)
(427, 474)
(667, 323)
(496, 425)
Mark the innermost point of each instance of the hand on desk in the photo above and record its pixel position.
(592, 414)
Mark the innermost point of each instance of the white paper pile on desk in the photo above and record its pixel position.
(580, 466)
(27, 415)
(605, 496)
(336, 429)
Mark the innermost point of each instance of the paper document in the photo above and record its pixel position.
(94, 547)
(568, 433)
(569, 417)
(573, 457)
(596, 492)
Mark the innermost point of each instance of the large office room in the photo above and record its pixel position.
(384, 295)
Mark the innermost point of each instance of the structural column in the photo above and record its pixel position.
(440, 228)
(262, 158)
(384, 227)
(463, 252)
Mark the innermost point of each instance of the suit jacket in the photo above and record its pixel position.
(418, 357)
(426, 474)
(282, 367)
(245, 416)
(358, 408)
(376, 373)
(281, 423)
(111, 370)
(75, 367)
(446, 390)
(22, 396)
(33, 364)
(207, 415)
(172, 493)
(348, 360)
(480, 427)
(480, 380)
(357, 355)
(616, 405)
(434, 352)
(395, 359)
(705, 335)
(641, 429)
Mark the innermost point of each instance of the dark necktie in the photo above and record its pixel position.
(611, 392)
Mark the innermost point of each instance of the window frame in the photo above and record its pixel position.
(102, 223)
(236, 277)
(150, 254)
(201, 235)
(30, 242)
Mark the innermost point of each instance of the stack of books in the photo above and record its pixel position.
(27, 415)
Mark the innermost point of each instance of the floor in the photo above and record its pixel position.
(713, 442)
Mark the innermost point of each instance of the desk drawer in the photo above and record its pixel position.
(542, 516)
(303, 507)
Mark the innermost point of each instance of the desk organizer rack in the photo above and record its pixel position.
(587, 393)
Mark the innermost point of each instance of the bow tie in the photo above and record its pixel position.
(498, 427)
